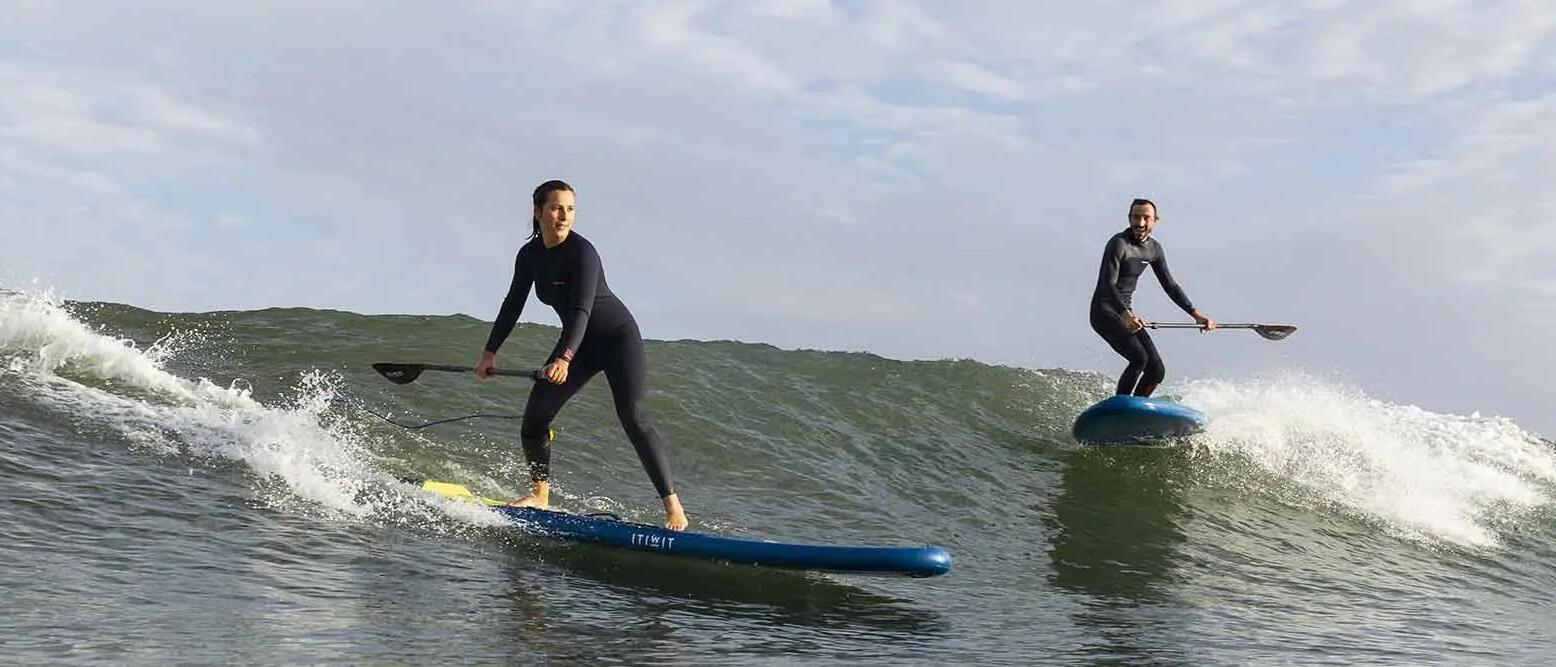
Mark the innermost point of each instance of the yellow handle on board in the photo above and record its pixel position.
(457, 492)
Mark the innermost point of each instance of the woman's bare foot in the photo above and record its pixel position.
(539, 497)
(675, 517)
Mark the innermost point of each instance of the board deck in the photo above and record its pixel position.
(923, 561)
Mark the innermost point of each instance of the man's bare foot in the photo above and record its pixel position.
(539, 497)
(675, 517)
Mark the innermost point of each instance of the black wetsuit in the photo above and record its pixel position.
(1123, 261)
(598, 334)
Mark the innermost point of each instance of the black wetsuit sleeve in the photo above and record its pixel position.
(586, 282)
(512, 305)
(1107, 278)
(1170, 286)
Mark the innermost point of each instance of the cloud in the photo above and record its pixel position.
(1483, 204)
(77, 149)
(975, 78)
(82, 115)
(1317, 53)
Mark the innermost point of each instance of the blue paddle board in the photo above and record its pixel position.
(925, 561)
(1133, 420)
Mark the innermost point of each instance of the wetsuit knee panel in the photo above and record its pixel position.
(1153, 375)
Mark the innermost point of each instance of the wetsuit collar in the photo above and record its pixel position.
(569, 237)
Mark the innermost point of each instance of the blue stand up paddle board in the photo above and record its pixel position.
(1134, 420)
(610, 530)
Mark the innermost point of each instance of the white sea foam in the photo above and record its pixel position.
(319, 460)
(1423, 474)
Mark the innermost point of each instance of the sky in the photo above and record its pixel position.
(915, 179)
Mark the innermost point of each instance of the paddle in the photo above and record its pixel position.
(407, 373)
(1268, 331)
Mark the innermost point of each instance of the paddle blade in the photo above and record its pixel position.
(1274, 331)
(399, 373)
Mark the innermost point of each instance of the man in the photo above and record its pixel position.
(1125, 258)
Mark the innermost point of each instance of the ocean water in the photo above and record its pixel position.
(221, 488)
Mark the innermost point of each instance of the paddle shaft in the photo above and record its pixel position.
(471, 369)
(406, 373)
(1191, 325)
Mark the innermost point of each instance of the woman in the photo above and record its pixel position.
(598, 334)
(1125, 258)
